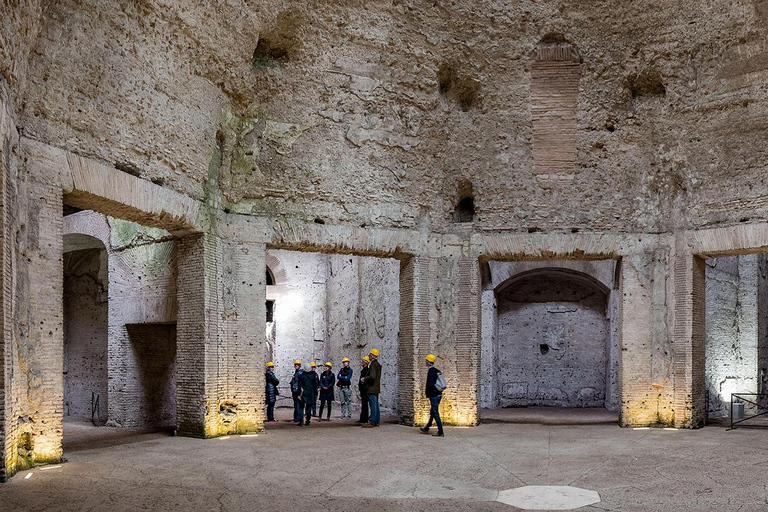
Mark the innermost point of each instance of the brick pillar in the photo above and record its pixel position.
(246, 352)
(414, 333)
(688, 336)
(197, 335)
(220, 336)
(645, 355)
(468, 341)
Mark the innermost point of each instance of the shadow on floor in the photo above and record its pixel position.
(80, 435)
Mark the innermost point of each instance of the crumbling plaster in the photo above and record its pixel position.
(349, 124)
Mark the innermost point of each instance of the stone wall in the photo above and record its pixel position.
(151, 377)
(328, 307)
(522, 314)
(85, 333)
(735, 319)
(553, 344)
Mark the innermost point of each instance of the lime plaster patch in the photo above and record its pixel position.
(548, 497)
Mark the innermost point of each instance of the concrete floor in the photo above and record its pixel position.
(339, 467)
(550, 416)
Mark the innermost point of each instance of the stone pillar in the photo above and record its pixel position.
(414, 331)
(468, 311)
(35, 359)
(688, 335)
(197, 335)
(645, 355)
(489, 341)
(221, 346)
(241, 394)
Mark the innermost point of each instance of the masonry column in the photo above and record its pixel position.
(220, 336)
(198, 335)
(34, 359)
(468, 311)
(414, 333)
(241, 393)
(645, 355)
(688, 311)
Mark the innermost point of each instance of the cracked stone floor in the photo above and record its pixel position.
(337, 467)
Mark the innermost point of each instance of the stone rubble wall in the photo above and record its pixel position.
(579, 330)
(735, 319)
(328, 307)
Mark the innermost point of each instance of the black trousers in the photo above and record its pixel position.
(363, 408)
(322, 403)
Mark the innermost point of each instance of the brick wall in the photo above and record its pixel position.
(85, 332)
(555, 76)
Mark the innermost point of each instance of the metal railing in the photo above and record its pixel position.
(755, 405)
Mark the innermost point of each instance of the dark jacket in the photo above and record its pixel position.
(345, 377)
(373, 379)
(309, 386)
(361, 385)
(327, 381)
(430, 390)
(296, 383)
(271, 382)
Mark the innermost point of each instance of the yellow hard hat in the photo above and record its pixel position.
(367, 359)
(297, 362)
(375, 352)
(345, 360)
(270, 364)
(312, 364)
(431, 358)
(328, 364)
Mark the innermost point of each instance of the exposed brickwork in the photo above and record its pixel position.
(468, 299)
(554, 105)
(192, 334)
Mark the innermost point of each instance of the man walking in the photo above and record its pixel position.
(363, 390)
(271, 390)
(434, 391)
(373, 385)
(296, 391)
(345, 389)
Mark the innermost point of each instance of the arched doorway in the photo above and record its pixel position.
(86, 372)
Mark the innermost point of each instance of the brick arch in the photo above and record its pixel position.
(275, 266)
(503, 277)
(86, 224)
(555, 272)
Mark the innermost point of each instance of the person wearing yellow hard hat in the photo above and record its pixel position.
(434, 391)
(327, 382)
(313, 372)
(364, 362)
(373, 385)
(296, 391)
(344, 379)
(271, 390)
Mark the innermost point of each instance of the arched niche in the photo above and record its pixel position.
(550, 335)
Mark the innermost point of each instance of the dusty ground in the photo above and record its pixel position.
(339, 467)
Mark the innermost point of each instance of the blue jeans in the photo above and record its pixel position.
(270, 411)
(297, 409)
(375, 414)
(434, 412)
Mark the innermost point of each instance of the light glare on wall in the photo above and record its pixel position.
(289, 303)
